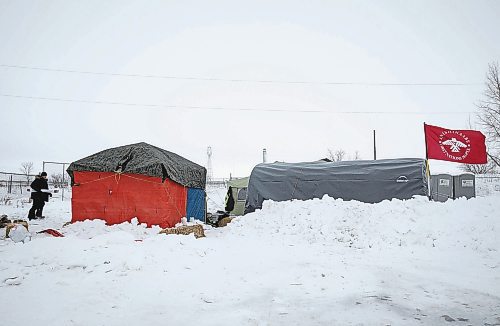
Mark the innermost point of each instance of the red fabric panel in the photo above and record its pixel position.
(117, 198)
(462, 146)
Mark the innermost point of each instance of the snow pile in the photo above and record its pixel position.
(317, 262)
(19, 234)
(91, 228)
(461, 223)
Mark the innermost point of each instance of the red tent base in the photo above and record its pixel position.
(117, 198)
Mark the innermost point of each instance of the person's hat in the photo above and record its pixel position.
(43, 174)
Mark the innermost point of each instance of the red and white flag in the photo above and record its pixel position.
(462, 146)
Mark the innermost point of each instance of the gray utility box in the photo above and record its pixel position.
(441, 187)
(464, 185)
(445, 186)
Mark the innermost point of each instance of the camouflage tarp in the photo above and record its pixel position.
(142, 158)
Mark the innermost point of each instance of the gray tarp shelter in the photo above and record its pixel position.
(366, 181)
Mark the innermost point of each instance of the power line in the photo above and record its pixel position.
(235, 80)
(192, 107)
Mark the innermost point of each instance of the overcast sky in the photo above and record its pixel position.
(319, 43)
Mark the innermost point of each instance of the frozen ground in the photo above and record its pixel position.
(318, 262)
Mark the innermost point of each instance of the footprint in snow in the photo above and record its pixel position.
(13, 280)
(448, 318)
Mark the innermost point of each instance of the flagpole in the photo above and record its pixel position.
(427, 167)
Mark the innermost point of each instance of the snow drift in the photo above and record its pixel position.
(316, 262)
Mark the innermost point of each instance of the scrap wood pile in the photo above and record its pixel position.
(197, 230)
(13, 225)
(224, 221)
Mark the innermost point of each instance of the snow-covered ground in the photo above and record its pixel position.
(317, 262)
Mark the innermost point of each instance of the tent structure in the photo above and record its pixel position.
(138, 180)
(236, 196)
(366, 181)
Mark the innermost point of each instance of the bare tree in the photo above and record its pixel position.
(489, 113)
(57, 180)
(330, 155)
(339, 155)
(356, 156)
(26, 169)
(336, 156)
(487, 168)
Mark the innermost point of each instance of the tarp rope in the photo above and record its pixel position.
(164, 187)
(98, 179)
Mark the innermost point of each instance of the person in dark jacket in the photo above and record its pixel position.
(39, 195)
(229, 200)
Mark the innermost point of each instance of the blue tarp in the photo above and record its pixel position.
(196, 204)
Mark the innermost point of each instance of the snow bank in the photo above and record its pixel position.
(90, 228)
(317, 262)
(461, 223)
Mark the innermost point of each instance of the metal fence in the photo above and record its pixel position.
(217, 182)
(488, 177)
(15, 183)
(18, 184)
(487, 184)
(58, 177)
(220, 182)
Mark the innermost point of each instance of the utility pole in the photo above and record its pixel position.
(374, 146)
